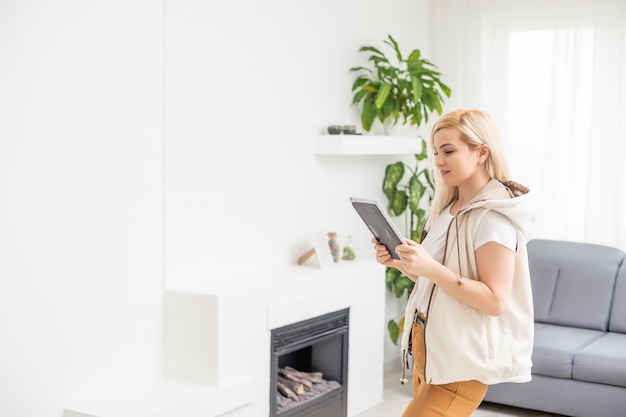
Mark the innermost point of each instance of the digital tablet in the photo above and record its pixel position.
(379, 223)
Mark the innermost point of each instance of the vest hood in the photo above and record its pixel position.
(509, 198)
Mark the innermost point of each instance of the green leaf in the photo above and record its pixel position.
(426, 173)
(379, 63)
(424, 154)
(395, 47)
(414, 64)
(403, 284)
(416, 234)
(369, 115)
(391, 274)
(445, 89)
(383, 93)
(416, 190)
(416, 87)
(371, 49)
(398, 203)
(418, 115)
(389, 111)
(394, 331)
(353, 69)
(359, 96)
(393, 175)
(360, 81)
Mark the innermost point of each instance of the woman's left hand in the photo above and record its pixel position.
(415, 259)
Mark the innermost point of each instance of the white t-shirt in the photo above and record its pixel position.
(493, 227)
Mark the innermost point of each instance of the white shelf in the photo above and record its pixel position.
(166, 398)
(367, 145)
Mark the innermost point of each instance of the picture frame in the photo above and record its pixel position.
(322, 250)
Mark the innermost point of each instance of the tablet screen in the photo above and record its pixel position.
(379, 223)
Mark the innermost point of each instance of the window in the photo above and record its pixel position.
(552, 75)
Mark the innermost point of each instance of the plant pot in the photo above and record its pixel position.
(399, 130)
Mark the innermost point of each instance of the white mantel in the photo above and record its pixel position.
(240, 328)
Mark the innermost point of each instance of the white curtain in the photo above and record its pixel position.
(553, 75)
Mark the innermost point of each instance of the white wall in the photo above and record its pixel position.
(81, 184)
(136, 149)
(247, 87)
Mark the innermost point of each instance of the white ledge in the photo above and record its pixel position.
(165, 398)
(367, 145)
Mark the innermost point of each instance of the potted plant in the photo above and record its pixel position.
(406, 91)
(409, 191)
(409, 88)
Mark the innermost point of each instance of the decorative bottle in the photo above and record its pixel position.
(334, 246)
(348, 250)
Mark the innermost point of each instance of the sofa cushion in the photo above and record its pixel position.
(603, 361)
(556, 346)
(543, 278)
(562, 292)
(564, 252)
(570, 277)
(617, 321)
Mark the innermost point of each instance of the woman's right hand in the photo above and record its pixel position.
(383, 256)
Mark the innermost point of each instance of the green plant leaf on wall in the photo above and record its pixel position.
(359, 82)
(369, 115)
(403, 284)
(398, 203)
(424, 153)
(358, 96)
(416, 191)
(431, 184)
(393, 175)
(383, 93)
(414, 63)
(416, 87)
(361, 69)
(394, 331)
(375, 51)
(391, 274)
(421, 221)
(392, 42)
(390, 111)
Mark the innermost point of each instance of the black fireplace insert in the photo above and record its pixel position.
(309, 367)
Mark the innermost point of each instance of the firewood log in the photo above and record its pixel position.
(307, 384)
(314, 377)
(296, 387)
(286, 391)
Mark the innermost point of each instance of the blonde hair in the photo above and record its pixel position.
(477, 128)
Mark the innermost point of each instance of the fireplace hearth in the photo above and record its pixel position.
(309, 367)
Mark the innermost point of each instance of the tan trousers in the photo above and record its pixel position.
(457, 399)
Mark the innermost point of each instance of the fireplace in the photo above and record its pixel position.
(309, 367)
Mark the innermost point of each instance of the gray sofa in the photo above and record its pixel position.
(579, 356)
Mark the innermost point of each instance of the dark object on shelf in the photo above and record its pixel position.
(334, 130)
(348, 129)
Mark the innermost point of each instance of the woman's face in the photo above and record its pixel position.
(456, 162)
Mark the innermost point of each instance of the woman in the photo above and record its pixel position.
(469, 319)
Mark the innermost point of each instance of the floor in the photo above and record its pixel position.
(396, 397)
